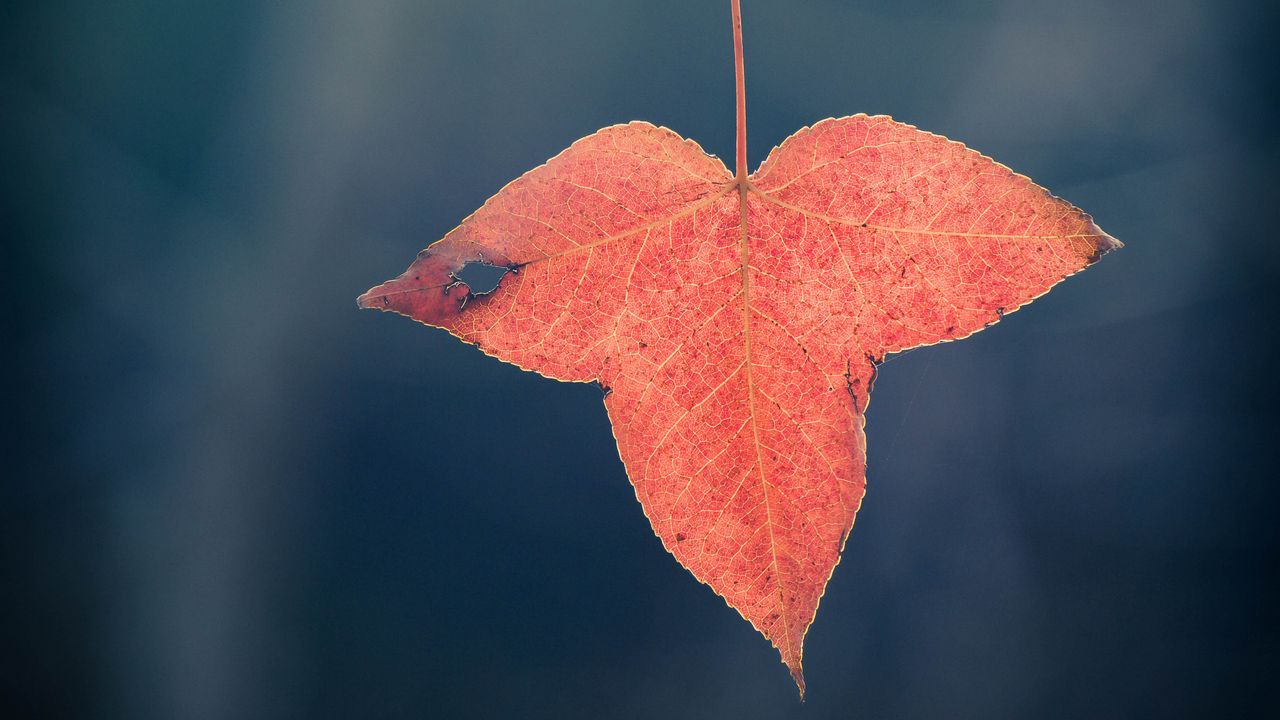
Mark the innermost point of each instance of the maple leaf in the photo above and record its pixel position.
(736, 322)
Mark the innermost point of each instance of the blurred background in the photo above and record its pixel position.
(230, 494)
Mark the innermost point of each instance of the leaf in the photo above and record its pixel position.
(736, 322)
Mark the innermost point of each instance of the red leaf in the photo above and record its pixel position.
(737, 321)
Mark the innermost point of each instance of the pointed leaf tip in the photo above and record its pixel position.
(1105, 242)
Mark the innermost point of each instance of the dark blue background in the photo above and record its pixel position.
(229, 494)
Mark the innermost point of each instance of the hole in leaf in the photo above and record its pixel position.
(481, 277)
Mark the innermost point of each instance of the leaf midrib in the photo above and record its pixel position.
(745, 257)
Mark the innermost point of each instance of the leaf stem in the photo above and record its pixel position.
(740, 161)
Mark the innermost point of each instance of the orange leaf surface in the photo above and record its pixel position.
(736, 321)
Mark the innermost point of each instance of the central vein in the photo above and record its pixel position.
(745, 259)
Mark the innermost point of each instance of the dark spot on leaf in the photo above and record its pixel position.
(680, 537)
(850, 382)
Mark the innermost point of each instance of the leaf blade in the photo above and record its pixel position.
(737, 324)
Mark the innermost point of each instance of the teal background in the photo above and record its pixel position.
(230, 494)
